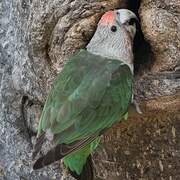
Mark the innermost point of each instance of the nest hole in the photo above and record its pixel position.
(143, 54)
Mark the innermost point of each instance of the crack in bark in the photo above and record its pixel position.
(24, 103)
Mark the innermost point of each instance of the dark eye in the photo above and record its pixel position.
(133, 21)
(113, 28)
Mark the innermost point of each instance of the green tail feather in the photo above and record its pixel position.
(76, 160)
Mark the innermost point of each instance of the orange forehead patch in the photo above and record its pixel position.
(107, 19)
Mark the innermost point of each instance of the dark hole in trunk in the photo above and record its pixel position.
(143, 55)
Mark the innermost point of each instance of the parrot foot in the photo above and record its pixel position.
(65, 171)
(137, 108)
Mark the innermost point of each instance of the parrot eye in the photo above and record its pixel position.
(113, 28)
(133, 21)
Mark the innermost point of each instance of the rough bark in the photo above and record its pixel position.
(35, 39)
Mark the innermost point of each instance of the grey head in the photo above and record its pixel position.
(114, 36)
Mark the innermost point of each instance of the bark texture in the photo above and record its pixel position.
(35, 39)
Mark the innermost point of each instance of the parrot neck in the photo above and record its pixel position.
(120, 48)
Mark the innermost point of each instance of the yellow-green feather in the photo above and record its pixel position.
(76, 160)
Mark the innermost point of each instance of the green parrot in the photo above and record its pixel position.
(91, 93)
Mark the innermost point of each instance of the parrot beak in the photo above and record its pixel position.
(127, 20)
(124, 16)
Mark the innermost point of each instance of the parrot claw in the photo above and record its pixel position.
(64, 171)
(137, 108)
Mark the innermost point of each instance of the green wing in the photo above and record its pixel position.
(89, 95)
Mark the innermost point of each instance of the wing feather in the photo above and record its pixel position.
(89, 95)
(60, 151)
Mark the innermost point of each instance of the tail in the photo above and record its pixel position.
(80, 163)
(87, 172)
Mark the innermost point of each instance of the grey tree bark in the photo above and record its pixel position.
(36, 37)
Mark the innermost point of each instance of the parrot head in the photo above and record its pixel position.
(123, 18)
(114, 36)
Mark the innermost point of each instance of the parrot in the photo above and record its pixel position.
(91, 93)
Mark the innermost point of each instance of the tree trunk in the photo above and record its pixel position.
(35, 39)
